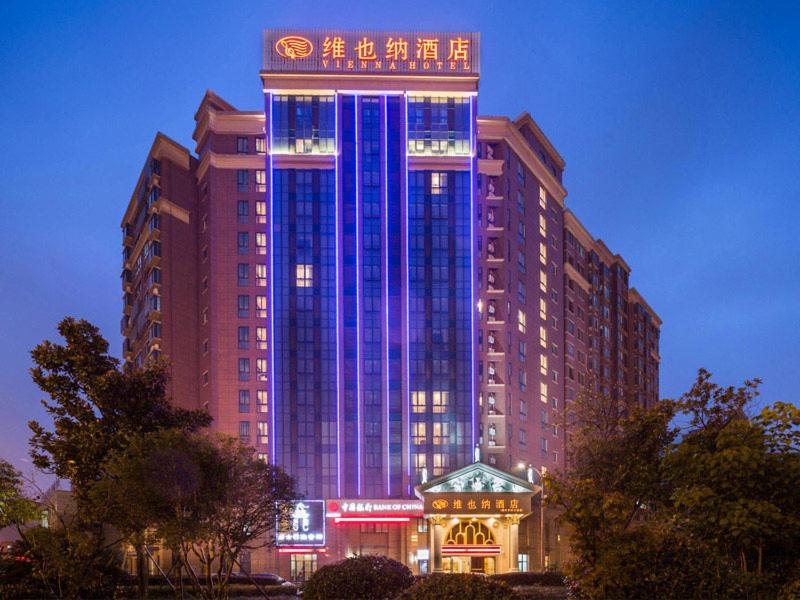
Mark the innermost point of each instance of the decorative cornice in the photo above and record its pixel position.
(229, 161)
(439, 163)
(576, 276)
(501, 128)
(635, 296)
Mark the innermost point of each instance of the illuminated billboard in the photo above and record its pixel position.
(374, 52)
(304, 526)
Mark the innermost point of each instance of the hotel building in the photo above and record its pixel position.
(382, 292)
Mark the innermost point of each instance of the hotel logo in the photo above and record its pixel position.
(294, 47)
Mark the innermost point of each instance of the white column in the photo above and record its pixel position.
(513, 543)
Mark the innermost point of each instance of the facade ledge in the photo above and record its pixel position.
(490, 166)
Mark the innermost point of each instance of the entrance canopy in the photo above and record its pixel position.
(477, 489)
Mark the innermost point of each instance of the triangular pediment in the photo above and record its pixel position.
(477, 477)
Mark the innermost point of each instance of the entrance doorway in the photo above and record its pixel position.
(469, 564)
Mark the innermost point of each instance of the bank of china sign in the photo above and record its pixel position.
(376, 52)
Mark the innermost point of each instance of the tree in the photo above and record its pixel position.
(208, 499)
(96, 409)
(16, 508)
(736, 479)
(709, 513)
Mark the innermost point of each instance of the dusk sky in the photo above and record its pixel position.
(679, 123)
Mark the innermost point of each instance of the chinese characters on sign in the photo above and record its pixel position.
(304, 526)
(371, 51)
(375, 507)
(473, 503)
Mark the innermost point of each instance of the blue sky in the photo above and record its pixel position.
(679, 123)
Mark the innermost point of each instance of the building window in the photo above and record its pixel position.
(543, 226)
(244, 369)
(261, 180)
(263, 457)
(261, 307)
(243, 307)
(243, 273)
(543, 336)
(241, 145)
(441, 433)
(261, 243)
(261, 146)
(543, 253)
(544, 445)
(543, 391)
(244, 432)
(243, 242)
(438, 125)
(304, 275)
(261, 275)
(262, 433)
(205, 377)
(303, 566)
(261, 338)
(522, 563)
(543, 364)
(543, 281)
(521, 321)
(438, 183)
(418, 433)
(261, 211)
(244, 401)
(439, 402)
(261, 369)
(303, 124)
(244, 338)
(418, 402)
(262, 404)
(241, 180)
(441, 464)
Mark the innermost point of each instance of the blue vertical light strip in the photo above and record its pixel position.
(408, 301)
(472, 265)
(337, 210)
(359, 423)
(386, 284)
(272, 430)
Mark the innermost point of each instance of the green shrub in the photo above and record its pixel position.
(444, 586)
(790, 591)
(548, 579)
(359, 578)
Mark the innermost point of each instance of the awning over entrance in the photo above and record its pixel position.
(475, 512)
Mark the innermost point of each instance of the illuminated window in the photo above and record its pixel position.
(543, 364)
(543, 253)
(438, 183)
(543, 392)
(441, 464)
(262, 403)
(261, 243)
(261, 275)
(542, 226)
(543, 309)
(418, 402)
(304, 275)
(418, 433)
(262, 433)
(261, 212)
(542, 197)
(261, 181)
(543, 281)
(419, 461)
(521, 321)
(438, 125)
(261, 307)
(261, 338)
(441, 433)
(261, 146)
(543, 336)
(303, 124)
(261, 369)
(263, 457)
(439, 402)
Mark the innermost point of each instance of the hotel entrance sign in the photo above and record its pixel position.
(374, 52)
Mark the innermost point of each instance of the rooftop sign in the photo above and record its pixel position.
(373, 52)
